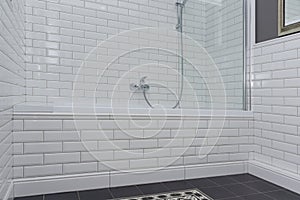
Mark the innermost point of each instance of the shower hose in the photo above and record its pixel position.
(159, 85)
(179, 97)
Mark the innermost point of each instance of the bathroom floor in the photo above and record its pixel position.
(236, 187)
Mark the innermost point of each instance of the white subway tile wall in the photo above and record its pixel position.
(57, 35)
(276, 100)
(12, 83)
(61, 34)
(87, 148)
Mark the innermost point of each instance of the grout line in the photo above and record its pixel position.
(110, 192)
(139, 189)
(78, 196)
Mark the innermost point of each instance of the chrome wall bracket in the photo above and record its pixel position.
(142, 86)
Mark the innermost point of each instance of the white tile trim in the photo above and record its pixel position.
(40, 110)
(275, 175)
(201, 114)
(36, 186)
(56, 184)
(9, 193)
(215, 169)
(147, 176)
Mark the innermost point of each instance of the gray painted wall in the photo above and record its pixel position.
(266, 20)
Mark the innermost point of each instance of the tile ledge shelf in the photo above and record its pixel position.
(47, 111)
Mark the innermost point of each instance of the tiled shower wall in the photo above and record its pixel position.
(276, 103)
(12, 82)
(61, 34)
(65, 146)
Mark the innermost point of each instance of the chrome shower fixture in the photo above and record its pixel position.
(180, 6)
(183, 2)
(142, 86)
(179, 27)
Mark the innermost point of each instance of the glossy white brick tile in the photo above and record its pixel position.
(55, 136)
(80, 168)
(91, 150)
(25, 160)
(34, 136)
(130, 154)
(12, 84)
(47, 147)
(79, 146)
(97, 156)
(43, 170)
(146, 143)
(279, 121)
(45, 124)
(62, 158)
(144, 163)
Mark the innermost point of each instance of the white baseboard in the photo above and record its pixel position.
(288, 180)
(49, 185)
(9, 193)
(57, 184)
(139, 177)
(215, 169)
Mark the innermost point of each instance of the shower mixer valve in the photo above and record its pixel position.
(142, 86)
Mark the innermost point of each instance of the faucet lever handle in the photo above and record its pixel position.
(142, 81)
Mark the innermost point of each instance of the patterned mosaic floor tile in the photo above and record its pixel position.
(179, 195)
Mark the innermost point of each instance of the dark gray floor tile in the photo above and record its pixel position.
(223, 180)
(283, 195)
(236, 187)
(245, 178)
(30, 198)
(125, 191)
(256, 197)
(178, 185)
(62, 196)
(95, 194)
(153, 188)
(202, 183)
(240, 189)
(263, 186)
(234, 198)
(218, 193)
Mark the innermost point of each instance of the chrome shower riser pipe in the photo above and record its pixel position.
(179, 27)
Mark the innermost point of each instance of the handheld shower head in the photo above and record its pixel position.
(182, 3)
(180, 7)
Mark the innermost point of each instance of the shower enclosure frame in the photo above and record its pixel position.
(246, 50)
(247, 54)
